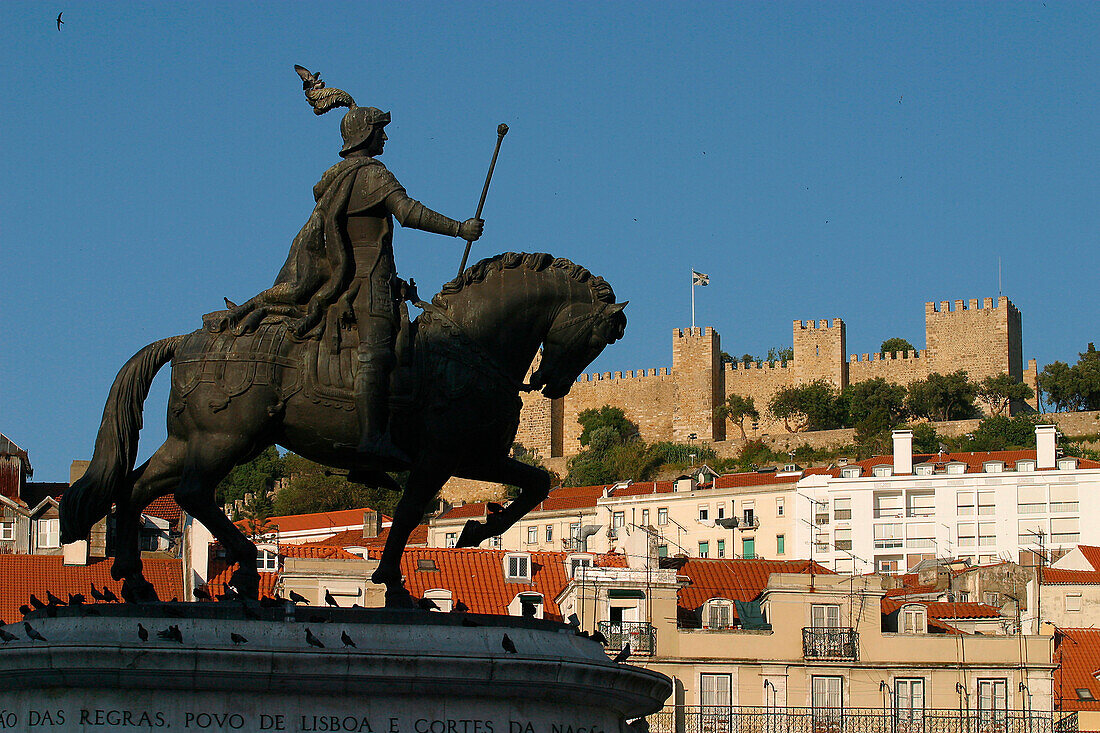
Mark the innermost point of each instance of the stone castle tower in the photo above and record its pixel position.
(674, 404)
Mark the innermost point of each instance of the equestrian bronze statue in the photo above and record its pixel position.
(326, 363)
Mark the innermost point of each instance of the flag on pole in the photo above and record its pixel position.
(699, 278)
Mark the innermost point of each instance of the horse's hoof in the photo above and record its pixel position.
(473, 534)
(400, 598)
(246, 584)
(139, 590)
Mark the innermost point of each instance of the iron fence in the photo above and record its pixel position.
(740, 719)
(641, 636)
(830, 643)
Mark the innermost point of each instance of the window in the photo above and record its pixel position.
(914, 620)
(921, 534)
(849, 472)
(825, 616)
(992, 699)
(993, 466)
(827, 693)
(441, 597)
(964, 502)
(721, 548)
(956, 468)
(721, 510)
(884, 471)
(987, 533)
(549, 533)
(842, 539)
(704, 549)
(780, 544)
(1067, 464)
(925, 470)
(966, 534)
(779, 507)
(267, 560)
(888, 536)
(662, 551)
(887, 566)
(495, 542)
(719, 614)
(704, 512)
(986, 504)
(921, 504)
(1031, 499)
(450, 539)
(7, 530)
(909, 698)
(517, 567)
(991, 599)
(888, 506)
(662, 515)
(574, 530)
(821, 542)
(714, 690)
(532, 535)
(618, 519)
(1073, 601)
(49, 533)
(1063, 498)
(645, 517)
(578, 561)
(749, 517)
(748, 548)
(529, 599)
(821, 513)
(962, 596)
(1025, 466)
(842, 509)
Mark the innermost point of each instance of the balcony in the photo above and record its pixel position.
(641, 636)
(830, 643)
(738, 719)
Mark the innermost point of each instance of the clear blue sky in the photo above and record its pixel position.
(816, 159)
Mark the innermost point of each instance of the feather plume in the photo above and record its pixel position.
(320, 98)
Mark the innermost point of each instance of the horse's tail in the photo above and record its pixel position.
(89, 499)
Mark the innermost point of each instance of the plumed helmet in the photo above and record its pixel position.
(358, 124)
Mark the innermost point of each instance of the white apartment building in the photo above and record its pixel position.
(888, 513)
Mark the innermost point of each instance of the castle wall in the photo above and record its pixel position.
(984, 339)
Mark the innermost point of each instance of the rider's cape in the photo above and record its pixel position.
(319, 267)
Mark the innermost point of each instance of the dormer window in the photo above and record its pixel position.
(956, 468)
(924, 470)
(718, 614)
(913, 620)
(572, 562)
(533, 603)
(517, 566)
(1067, 464)
(441, 597)
(267, 561)
(1025, 466)
(849, 472)
(883, 471)
(993, 466)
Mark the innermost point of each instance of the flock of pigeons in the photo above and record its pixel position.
(173, 633)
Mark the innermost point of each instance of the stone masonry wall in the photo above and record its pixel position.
(982, 338)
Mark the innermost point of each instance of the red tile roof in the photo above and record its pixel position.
(911, 590)
(26, 574)
(465, 510)
(321, 520)
(217, 581)
(165, 508)
(735, 580)
(1092, 555)
(1077, 654)
(317, 551)
(355, 538)
(944, 610)
(476, 576)
(736, 480)
(1057, 576)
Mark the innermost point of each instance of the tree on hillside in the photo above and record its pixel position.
(999, 432)
(255, 477)
(613, 450)
(925, 438)
(785, 353)
(811, 406)
(876, 396)
(1072, 388)
(613, 423)
(311, 487)
(895, 345)
(941, 397)
(999, 391)
(736, 408)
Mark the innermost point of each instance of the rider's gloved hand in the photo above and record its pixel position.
(471, 229)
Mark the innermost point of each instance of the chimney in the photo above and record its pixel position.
(1046, 441)
(371, 524)
(684, 483)
(903, 452)
(75, 553)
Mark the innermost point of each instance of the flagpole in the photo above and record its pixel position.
(693, 298)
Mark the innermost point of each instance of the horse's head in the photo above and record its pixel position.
(576, 337)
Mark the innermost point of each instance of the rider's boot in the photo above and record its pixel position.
(372, 406)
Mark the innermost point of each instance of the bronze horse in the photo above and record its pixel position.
(471, 349)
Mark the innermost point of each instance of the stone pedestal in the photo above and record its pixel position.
(409, 672)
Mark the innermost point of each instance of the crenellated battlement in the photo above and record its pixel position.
(945, 307)
(889, 356)
(740, 367)
(822, 325)
(630, 374)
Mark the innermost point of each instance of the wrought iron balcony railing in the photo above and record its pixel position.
(641, 636)
(740, 719)
(830, 643)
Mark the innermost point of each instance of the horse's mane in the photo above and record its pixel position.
(533, 261)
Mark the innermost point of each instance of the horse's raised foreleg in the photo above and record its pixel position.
(156, 478)
(209, 460)
(423, 484)
(534, 484)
